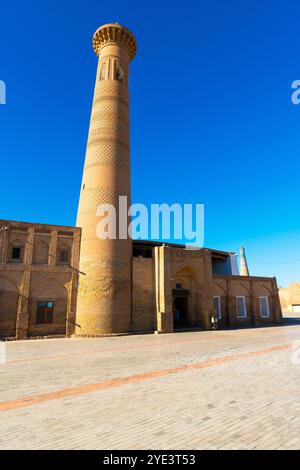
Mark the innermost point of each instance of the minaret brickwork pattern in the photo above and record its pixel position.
(104, 294)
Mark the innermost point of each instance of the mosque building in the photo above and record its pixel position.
(58, 280)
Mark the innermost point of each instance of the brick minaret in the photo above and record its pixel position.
(244, 271)
(104, 294)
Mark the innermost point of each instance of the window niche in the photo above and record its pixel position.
(119, 74)
(103, 72)
(264, 307)
(16, 252)
(241, 307)
(64, 255)
(44, 312)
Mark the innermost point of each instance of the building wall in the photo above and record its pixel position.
(155, 279)
(143, 295)
(222, 266)
(9, 294)
(290, 296)
(38, 275)
(252, 288)
(41, 275)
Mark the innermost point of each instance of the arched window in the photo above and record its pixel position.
(119, 72)
(103, 72)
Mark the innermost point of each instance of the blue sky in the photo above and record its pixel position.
(211, 115)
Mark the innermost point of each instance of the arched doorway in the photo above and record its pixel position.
(183, 298)
(180, 307)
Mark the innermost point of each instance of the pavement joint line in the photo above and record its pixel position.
(125, 348)
(119, 381)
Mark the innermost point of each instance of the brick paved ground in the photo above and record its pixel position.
(235, 389)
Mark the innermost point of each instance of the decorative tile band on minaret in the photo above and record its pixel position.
(244, 271)
(104, 294)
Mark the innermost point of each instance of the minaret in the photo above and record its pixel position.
(104, 293)
(244, 271)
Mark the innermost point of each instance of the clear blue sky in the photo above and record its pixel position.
(211, 115)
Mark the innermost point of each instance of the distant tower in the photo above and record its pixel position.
(104, 294)
(244, 271)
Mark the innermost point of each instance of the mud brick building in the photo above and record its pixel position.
(38, 279)
(290, 297)
(176, 288)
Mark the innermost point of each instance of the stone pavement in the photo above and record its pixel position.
(233, 389)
